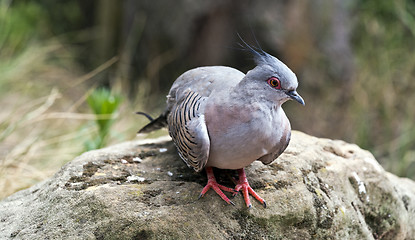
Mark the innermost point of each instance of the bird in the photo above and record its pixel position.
(219, 117)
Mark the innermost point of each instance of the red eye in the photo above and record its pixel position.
(274, 82)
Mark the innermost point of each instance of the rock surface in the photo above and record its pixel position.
(318, 189)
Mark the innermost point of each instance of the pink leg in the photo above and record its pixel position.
(246, 189)
(215, 186)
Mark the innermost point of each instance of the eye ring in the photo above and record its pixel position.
(274, 82)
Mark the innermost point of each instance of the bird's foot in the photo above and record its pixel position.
(246, 189)
(216, 187)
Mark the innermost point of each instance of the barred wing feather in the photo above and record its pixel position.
(188, 129)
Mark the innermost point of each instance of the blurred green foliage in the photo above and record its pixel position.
(382, 107)
(43, 94)
(20, 25)
(104, 105)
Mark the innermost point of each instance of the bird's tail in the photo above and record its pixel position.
(154, 124)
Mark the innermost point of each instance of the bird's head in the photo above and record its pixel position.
(272, 77)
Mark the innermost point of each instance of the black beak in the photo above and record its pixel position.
(295, 96)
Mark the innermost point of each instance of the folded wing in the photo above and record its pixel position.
(187, 127)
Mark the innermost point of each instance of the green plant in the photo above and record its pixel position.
(104, 105)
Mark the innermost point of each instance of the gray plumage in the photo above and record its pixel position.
(219, 117)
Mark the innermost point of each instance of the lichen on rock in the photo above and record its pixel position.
(317, 189)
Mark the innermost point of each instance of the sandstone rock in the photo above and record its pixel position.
(318, 189)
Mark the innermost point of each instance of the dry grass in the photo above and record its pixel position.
(45, 121)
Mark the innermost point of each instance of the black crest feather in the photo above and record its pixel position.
(260, 56)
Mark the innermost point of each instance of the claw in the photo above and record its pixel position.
(242, 185)
(247, 190)
(216, 187)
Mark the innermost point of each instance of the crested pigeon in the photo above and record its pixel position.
(219, 117)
